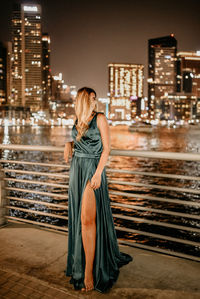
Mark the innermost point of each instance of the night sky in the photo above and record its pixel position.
(86, 35)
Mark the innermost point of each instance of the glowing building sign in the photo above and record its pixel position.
(125, 80)
(125, 89)
(30, 8)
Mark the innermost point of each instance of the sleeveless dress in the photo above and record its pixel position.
(108, 259)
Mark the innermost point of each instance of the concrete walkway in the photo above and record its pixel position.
(33, 260)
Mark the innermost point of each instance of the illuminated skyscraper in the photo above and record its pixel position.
(162, 72)
(179, 106)
(5, 72)
(46, 72)
(125, 83)
(189, 72)
(27, 55)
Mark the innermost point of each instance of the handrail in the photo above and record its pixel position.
(157, 155)
(156, 174)
(113, 152)
(35, 163)
(36, 182)
(40, 148)
(56, 210)
(38, 173)
(37, 192)
(38, 202)
(117, 182)
(37, 212)
(157, 198)
(149, 173)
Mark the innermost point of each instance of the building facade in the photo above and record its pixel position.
(180, 106)
(185, 103)
(27, 56)
(62, 99)
(189, 72)
(46, 71)
(3, 72)
(126, 81)
(162, 72)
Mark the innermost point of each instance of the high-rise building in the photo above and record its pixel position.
(46, 71)
(27, 55)
(62, 99)
(126, 81)
(189, 72)
(180, 106)
(57, 90)
(5, 72)
(162, 72)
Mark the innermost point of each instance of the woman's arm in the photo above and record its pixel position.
(68, 149)
(104, 129)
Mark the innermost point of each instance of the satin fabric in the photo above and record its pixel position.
(108, 259)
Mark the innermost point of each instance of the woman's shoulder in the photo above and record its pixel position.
(99, 112)
(101, 118)
(103, 115)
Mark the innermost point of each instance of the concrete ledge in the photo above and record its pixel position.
(41, 254)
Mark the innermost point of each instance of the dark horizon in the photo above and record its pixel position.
(87, 36)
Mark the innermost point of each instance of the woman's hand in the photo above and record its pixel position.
(96, 181)
(67, 151)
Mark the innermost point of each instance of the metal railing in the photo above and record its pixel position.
(6, 199)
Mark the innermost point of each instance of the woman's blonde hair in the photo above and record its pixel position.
(83, 110)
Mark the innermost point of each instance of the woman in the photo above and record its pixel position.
(93, 254)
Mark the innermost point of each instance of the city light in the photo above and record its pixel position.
(125, 81)
(58, 78)
(30, 8)
(173, 79)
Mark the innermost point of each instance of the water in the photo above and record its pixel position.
(165, 139)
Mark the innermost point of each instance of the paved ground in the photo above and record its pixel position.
(33, 260)
(14, 285)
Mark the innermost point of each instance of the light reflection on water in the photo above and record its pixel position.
(172, 140)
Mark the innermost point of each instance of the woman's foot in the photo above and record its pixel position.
(88, 282)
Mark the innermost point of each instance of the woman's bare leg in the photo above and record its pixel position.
(88, 228)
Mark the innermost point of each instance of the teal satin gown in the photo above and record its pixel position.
(108, 259)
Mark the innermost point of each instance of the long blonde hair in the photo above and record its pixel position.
(83, 110)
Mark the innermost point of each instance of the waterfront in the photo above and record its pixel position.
(171, 140)
(162, 139)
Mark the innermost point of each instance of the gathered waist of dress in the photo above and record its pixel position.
(86, 155)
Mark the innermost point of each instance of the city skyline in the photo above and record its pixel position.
(107, 28)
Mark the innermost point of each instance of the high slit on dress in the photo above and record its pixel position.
(108, 259)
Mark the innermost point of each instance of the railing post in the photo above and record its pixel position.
(2, 198)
